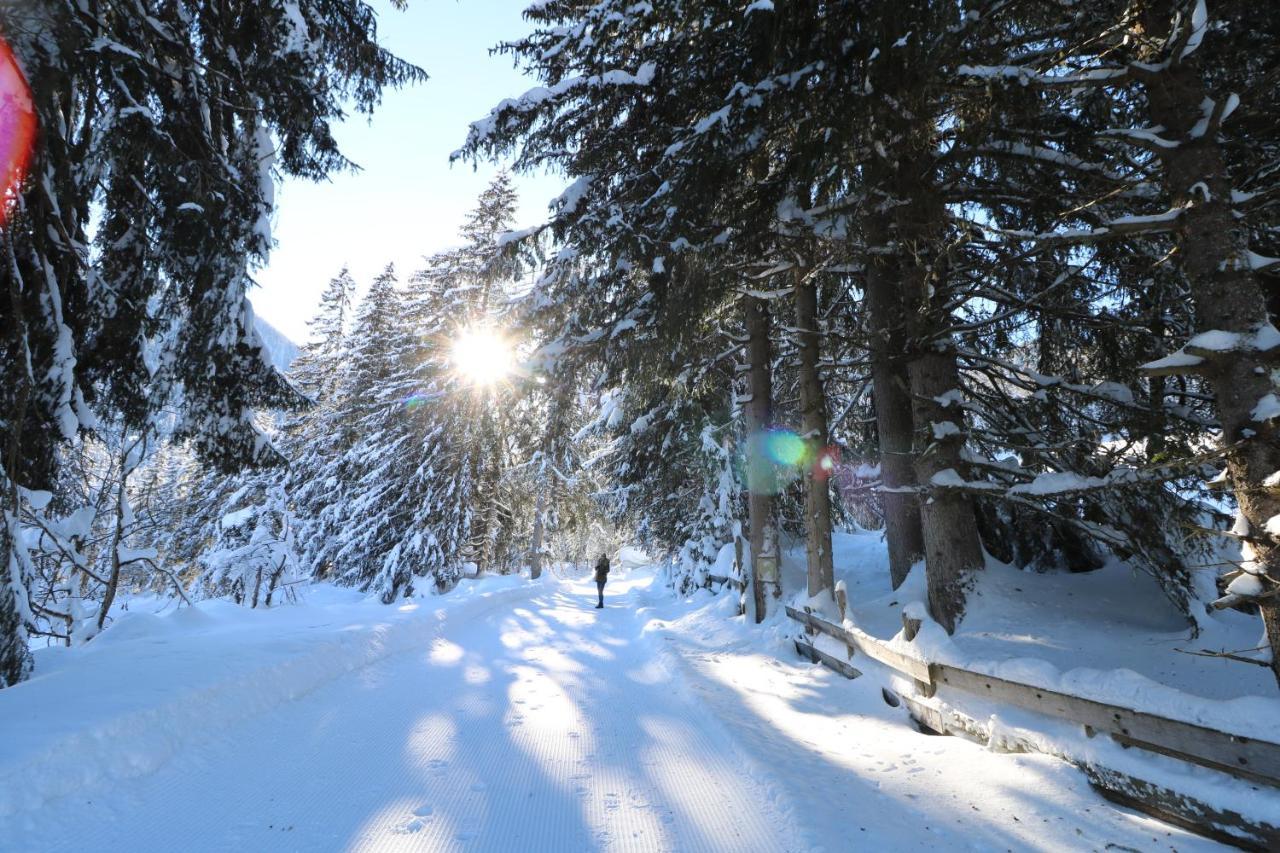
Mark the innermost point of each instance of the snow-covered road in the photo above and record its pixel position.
(534, 722)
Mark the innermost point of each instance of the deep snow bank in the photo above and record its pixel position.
(1110, 635)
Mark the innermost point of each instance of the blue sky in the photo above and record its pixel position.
(408, 201)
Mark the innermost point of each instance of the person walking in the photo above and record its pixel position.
(602, 575)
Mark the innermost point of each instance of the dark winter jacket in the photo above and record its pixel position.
(602, 570)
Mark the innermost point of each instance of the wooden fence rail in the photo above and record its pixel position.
(722, 580)
(1250, 759)
(867, 644)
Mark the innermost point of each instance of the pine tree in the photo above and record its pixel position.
(401, 466)
(318, 369)
(169, 121)
(717, 152)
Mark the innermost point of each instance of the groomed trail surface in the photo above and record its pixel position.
(527, 720)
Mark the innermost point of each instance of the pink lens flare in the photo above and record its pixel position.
(17, 128)
(826, 463)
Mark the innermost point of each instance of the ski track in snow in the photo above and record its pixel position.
(519, 729)
(534, 722)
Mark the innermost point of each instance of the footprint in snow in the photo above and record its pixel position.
(415, 825)
(478, 786)
(424, 811)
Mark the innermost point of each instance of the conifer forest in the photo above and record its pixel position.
(876, 371)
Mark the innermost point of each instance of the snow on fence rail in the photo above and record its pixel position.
(738, 584)
(1249, 759)
(722, 580)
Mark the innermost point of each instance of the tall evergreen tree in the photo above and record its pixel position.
(400, 467)
(169, 121)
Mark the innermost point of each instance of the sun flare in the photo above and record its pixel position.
(482, 356)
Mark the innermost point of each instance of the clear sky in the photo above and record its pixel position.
(408, 201)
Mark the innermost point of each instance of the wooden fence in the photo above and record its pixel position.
(1252, 760)
(721, 580)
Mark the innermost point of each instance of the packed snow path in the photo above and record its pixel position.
(534, 722)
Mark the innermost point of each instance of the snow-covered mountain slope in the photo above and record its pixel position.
(282, 350)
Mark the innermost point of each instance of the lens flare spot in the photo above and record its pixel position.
(827, 463)
(785, 447)
(414, 401)
(17, 128)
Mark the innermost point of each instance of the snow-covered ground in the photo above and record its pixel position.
(508, 715)
(1110, 633)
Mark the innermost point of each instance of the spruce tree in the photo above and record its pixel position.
(170, 122)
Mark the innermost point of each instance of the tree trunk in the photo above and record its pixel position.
(117, 537)
(273, 582)
(890, 385)
(1213, 253)
(15, 656)
(257, 587)
(539, 524)
(761, 476)
(813, 420)
(546, 501)
(490, 475)
(952, 548)
(489, 550)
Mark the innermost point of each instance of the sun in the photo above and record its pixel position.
(482, 356)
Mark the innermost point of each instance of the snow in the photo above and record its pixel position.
(1108, 634)
(954, 397)
(1143, 134)
(1240, 526)
(1273, 525)
(508, 237)
(948, 478)
(131, 555)
(1199, 24)
(1177, 359)
(508, 715)
(1025, 74)
(279, 348)
(1057, 482)
(1246, 584)
(945, 429)
(1263, 339)
(1215, 340)
(568, 201)
(1267, 338)
(265, 155)
(298, 39)
(237, 518)
(1268, 407)
(1167, 216)
(161, 683)
(631, 557)
(536, 97)
(1261, 262)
